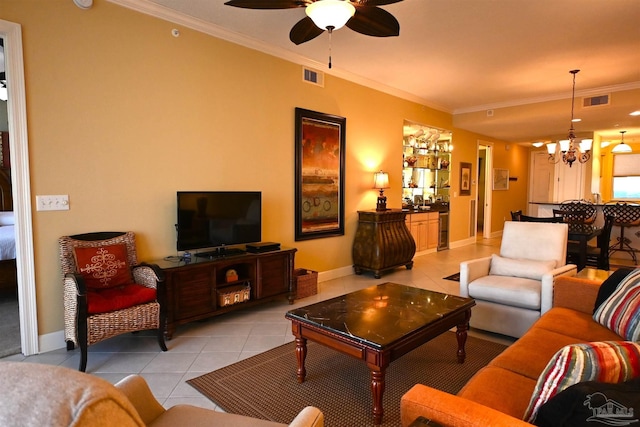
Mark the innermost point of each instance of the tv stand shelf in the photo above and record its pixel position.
(192, 287)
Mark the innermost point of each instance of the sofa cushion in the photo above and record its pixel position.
(514, 291)
(592, 403)
(112, 299)
(103, 266)
(575, 324)
(621, 311)
(500, 389)
(530, 269)
(603, 361)
(610, 285)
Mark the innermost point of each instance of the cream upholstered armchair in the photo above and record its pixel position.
(33, 394)
(513, 289)
(106, 291)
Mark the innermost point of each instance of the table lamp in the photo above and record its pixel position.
(381, 181)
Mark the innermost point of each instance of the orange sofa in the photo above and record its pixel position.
(498, 395)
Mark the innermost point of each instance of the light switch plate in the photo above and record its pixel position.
(52, 203)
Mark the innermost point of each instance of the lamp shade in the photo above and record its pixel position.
(585, 145)
(330, 13)
(564, 145)
(551, 148)
(380, 180)
(621, 148)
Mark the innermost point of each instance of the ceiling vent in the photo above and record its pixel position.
(595, 101)
(312, 76)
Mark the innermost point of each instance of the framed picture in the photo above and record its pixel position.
(501, 179)
(465, 179)
(319, 175)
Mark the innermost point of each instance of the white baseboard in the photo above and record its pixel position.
(51, 341)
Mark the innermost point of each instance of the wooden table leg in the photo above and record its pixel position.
(377, 390)
(301, 355)
(461, 335)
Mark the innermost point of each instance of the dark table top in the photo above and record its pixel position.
(379, 315)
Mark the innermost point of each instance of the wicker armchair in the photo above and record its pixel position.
(106, 291)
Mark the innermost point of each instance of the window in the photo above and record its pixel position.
(626, 176)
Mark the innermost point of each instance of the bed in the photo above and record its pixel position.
(8, 278)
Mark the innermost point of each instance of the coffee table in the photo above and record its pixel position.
(378, 325)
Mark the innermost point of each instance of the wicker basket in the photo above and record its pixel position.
(306, 282)
(233, 295)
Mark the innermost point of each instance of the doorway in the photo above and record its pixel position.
(483, 215)
(11, 35)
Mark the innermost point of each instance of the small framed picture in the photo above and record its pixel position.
(500, 179)
(465, 179)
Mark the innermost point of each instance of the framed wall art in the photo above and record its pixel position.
(501, 179)
(319, 174)
(465, 179)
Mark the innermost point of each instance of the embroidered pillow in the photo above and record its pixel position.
(530, 269)
(621, 311)
(604, 361)
(104, 266)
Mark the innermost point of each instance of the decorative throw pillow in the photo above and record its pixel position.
(515, 267)
(104, 266)
(604, 361)
(621, 311)
(593, 403)
(608, 286)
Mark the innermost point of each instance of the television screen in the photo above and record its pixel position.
(210, 219)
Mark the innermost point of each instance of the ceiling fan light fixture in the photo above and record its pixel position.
(330, 14)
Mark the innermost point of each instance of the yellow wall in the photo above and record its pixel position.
(121, 115)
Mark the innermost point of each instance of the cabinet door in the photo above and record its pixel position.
(433, 225)
(193, 292)
(273, 275)
(423, 236)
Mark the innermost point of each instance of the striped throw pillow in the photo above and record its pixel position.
(621, 311)
(604, 361)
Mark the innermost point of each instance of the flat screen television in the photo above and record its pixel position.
(213, 219)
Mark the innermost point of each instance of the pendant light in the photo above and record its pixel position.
(622, 147)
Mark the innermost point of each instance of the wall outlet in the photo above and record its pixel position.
(52, 203)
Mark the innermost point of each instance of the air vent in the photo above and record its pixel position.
(595, 101)
(312, 76)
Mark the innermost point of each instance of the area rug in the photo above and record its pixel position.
(455, 277)
(264, 386)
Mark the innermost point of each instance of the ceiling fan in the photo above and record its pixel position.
(362, 16)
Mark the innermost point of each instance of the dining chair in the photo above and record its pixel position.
(626, 215)
(515, 215)
(527, 218)
(578, 211)
(597, 256)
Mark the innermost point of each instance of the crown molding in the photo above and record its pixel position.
(167, 14)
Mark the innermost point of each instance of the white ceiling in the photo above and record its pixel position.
(467, 57)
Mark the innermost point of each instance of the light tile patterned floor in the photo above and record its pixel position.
(201, 347)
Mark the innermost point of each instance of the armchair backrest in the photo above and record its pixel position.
(541, 241)
(94, 240)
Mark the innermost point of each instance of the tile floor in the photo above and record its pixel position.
(201, 347)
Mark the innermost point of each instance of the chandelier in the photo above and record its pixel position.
(567, 149)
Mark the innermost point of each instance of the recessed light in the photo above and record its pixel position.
(635, 113)
(576, 120)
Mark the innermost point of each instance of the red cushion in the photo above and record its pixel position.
(111, 299)
(104, 266)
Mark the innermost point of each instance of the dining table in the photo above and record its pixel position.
(582, 233)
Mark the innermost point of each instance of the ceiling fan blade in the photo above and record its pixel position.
(304, 31)
(373, 2)
(267, 4)
(373, 21)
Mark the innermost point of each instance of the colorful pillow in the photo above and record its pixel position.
(605, 361)
(621, 311)
(104, 266)
(610, 285)
(530, 269)
(117, 298)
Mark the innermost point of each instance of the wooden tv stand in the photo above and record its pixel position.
(196, 290)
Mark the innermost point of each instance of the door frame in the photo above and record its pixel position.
(11, 33)
(488, 191)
